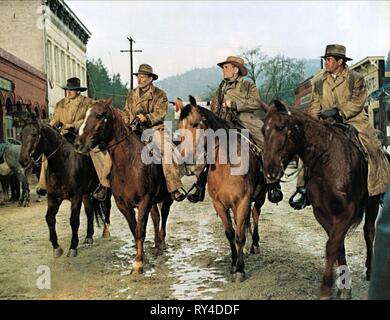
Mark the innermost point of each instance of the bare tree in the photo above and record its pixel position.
(282, 75)
(254, 59)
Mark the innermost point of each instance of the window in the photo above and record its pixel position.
(68, 67)
(57, 69)
(50, 60)
(63, 71)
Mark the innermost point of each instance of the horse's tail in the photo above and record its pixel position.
(101, 209)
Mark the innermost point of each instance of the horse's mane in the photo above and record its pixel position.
(213, 121)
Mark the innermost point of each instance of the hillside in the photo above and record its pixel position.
(200, 81)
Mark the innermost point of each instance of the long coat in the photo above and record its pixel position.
(348, 92)
(246, 100)
(153, 104)
(71, 111)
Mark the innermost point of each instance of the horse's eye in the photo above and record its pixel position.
(100, 115)
(195, 125)
(279, 128)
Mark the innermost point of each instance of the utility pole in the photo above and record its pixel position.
(131, 59)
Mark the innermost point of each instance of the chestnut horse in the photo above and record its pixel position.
(228, 191)
(134, 184)
(70, 176)
(336, 182)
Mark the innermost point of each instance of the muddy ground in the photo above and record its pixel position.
(195, 265)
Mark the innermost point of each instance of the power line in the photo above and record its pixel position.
(131, 40)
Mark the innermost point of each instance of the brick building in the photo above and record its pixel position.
(21, 86)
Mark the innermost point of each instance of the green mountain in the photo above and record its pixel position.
(201, 82)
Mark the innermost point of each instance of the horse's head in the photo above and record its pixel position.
(279, 144)
(190, 121)
(96, 128)
(31, 136)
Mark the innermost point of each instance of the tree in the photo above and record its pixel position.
(254, 60)
(282, 75)
(101, 85)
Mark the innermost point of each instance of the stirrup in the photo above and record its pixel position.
(100, 193)
(198, 195)
(178, 195)
(300, 203)
(40, 191)
(275, 194)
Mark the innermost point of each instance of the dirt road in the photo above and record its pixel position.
(195, 265)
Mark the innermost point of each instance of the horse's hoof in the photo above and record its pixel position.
(58, 252)
(137, 267)
(157, 251)
(88, 241)
(239, 277)
(106, 233)
(344, 294)
(255, 250)
(326, 298)
(72, 253)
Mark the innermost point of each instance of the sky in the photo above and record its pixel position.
(177, 36)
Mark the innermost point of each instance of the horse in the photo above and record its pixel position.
(336, 180)
(235, 192)
(70, 176)
(10, 167)
(134, 184)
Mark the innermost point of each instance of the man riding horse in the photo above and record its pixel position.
(238, 102)
(148, 105)
(341, 93)
(69, 114)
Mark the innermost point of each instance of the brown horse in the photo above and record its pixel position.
(228, 191)
(70, 176)
(336, 182)
(134, 184)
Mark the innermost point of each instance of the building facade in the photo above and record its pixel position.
(21, 86)
(47, 35)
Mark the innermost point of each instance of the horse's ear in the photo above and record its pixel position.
(108, 101)
(280, 107)
(264, 106)
(192, 101)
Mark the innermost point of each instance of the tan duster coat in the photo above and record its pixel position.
(153, 104)
(348, 92)
(246, 98)
(71, 111)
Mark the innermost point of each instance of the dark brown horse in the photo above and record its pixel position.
(336, 182)
(134, 184)
(227, 190)
(70, 176)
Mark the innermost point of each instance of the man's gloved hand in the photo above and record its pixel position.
(331, 113)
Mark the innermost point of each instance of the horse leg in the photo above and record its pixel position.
(75, 223)
(129, 214)
(89, 213)
(242, 215)
(107, 211)
(255, 247)
(155, 214)
(344, 291)
(53, 205)
(223, 213)
(372, 209)
(25, 197)
(5, 186)
(140, 231)
(166, 206)
(337, 234)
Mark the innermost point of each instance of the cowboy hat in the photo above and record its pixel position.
(236, 61)
(335, 50)
(73, 84)
(146, 69)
